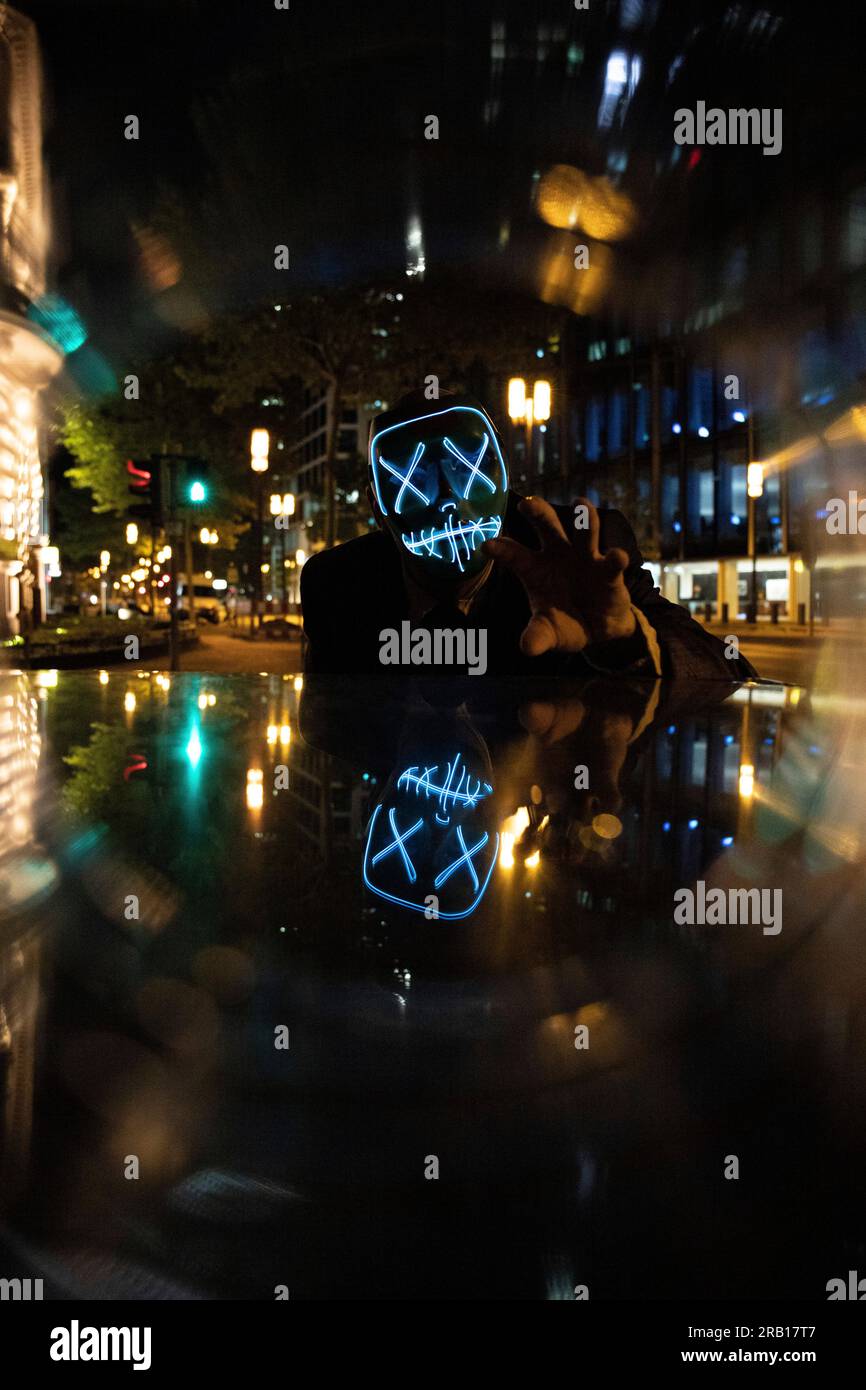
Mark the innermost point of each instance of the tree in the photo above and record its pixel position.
(97, 438)
(165, 413)
(81, 530)
(371, 344)
(365, 343)
(332, 339)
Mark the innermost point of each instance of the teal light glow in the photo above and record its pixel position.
(194, 748)
(59, 320)
(197, 492)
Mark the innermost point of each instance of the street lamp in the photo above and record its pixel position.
(755, 480)
(527, 410)
(754, 490)
(283, 505)
(517, 398)
(104, 562)
(541, 400)
(131, 533)
(260, 443)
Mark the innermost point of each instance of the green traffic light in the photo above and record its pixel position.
(197, 492)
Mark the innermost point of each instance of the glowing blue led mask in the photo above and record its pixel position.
(441, 486)
(432, 835)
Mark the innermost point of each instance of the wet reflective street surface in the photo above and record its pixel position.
(380, 991)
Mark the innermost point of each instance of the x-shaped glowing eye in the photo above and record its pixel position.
(474, 465)
(405, 478)
(465, 858)
(399, 843)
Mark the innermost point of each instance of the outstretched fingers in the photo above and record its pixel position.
(512, 554)
(586, 528)
(545, 522)
(615, 562)
(539, 636)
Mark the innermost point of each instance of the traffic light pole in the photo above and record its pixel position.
(149, 480)
(187, 561)
(174, 631)
(151, 584)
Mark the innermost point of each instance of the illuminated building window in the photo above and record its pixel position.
(593, 428)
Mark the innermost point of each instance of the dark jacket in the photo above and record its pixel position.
(353, 592)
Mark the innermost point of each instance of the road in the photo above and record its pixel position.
(222, 651)
(780, 660)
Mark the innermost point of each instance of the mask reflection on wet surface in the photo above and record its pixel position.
(431, 843)
(194, 975)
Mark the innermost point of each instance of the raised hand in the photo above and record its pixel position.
(578, 596)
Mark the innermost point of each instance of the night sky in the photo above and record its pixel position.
(264, 127)
(305, 127)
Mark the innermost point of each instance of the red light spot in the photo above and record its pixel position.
(694, 159)
(138, 764)
(139, 477)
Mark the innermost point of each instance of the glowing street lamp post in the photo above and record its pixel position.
(529, 410)
(260, 442)
(754, 490)
(104, 562)
(283, 506)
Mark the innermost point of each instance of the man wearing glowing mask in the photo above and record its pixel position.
(552, 589)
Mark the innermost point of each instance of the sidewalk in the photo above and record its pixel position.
(765, 631)
(241, 626)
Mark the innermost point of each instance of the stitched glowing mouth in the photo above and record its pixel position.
(468, 791)
(454, 544)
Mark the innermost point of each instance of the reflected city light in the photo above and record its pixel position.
(608, 827)
(746, 781)
(255, 789)
(568, 198)
(129, 701)
(512, 829)
(557, 282)
(193, 748)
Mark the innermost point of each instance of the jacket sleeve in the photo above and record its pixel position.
(687, 650)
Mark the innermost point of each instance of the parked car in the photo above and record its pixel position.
(209, 606)
(280, 625)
